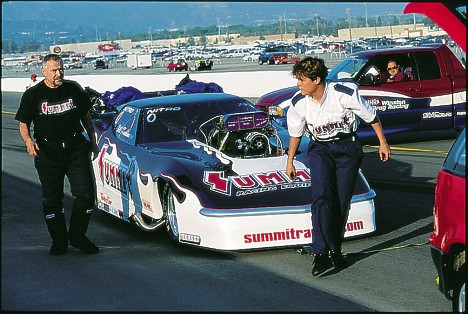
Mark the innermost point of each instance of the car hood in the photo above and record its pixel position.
(445, 15)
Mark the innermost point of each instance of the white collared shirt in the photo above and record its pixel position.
(335, 114)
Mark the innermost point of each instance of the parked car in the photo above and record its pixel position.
(432, 98)
(100, 64)
(178, 65)
(209, 167)
(316, 49)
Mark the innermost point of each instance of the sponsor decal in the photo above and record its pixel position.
(106, 199)
(112, 174)
(332, 127)
(288, 234)
(48, 109)
(436, 115)
(293, 234)
(461, 113)
(255, 183)
(147, 205)
(384, 105)
(189, 238)
(151, 113)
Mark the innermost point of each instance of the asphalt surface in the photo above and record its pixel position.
(390, 270)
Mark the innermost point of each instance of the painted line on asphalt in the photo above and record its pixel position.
(409, 149)
(8, 112)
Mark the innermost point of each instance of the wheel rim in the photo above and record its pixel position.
(461, 299)
(171, 214)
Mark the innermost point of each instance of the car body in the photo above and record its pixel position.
(209, 167)
(432, 98)
(448, 241)
(178, 65)
(252, 56)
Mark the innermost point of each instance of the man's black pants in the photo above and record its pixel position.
(334, 168)
(76, 165)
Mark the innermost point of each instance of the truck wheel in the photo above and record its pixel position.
(458, 300)
(260, 62)
(172, 226)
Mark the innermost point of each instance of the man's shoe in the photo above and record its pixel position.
(321, 264)
(85, 245)
(58, 249)
(337, 260)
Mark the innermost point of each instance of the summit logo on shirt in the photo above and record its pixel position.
(47, 108)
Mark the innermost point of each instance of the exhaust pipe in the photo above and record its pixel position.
(145, 226)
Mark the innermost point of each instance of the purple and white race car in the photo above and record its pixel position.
(210, 168)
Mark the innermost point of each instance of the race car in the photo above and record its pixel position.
(210, 168)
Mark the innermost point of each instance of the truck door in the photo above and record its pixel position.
(398, 104)
(436, 89)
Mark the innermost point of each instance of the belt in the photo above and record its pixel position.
(340, 139)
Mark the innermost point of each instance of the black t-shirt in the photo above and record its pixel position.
(55, 112)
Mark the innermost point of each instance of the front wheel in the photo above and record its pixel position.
(172, 226)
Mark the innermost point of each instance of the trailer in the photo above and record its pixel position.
(135, 61)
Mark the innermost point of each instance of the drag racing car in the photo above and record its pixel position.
(210, 168)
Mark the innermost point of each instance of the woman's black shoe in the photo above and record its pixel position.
(321, 264)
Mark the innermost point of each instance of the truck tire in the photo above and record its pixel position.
(260, 62)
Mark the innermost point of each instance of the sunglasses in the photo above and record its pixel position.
(392, 68)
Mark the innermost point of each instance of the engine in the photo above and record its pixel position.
(246, 135)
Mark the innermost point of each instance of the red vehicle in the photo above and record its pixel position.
(287, 58)
(448, 241)
(177, 65)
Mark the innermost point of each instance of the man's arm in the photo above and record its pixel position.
(31, 145)
(89, 128)
(293, 146)
(384, 149)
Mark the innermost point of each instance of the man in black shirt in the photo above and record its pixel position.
(58, 109)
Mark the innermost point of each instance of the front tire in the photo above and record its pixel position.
(172, 226)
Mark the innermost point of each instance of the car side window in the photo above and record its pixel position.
(126, 124)
(428, 67)
(456, 159)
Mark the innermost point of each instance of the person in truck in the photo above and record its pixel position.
(393, 73)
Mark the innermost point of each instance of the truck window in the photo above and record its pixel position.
(428, 67)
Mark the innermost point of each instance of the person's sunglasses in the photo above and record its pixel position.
(392, 68)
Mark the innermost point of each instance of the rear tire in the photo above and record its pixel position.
(172, 226)
(458, 300)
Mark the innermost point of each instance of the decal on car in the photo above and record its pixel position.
(255, 183)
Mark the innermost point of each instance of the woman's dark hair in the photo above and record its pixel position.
(310, 67)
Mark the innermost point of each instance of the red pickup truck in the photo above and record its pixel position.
(432, 97)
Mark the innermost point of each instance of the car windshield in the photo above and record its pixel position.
(348, 69)
(193, 121)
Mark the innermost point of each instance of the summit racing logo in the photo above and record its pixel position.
(47, 108)
(293, 234)
(255, 183)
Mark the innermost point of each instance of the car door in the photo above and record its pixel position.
(118, 165)
(398, 104)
